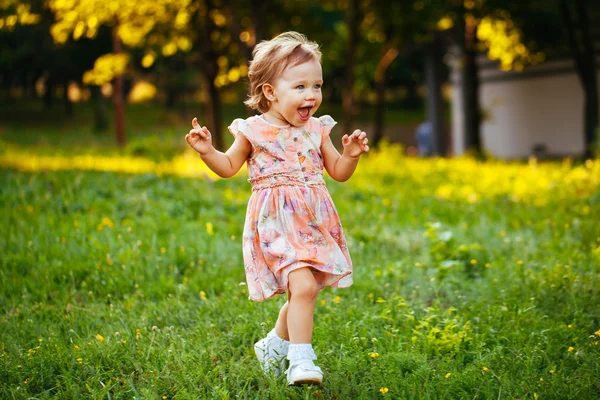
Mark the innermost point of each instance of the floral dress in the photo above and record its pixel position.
(291, 221)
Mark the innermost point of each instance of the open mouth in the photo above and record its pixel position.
(304, 113)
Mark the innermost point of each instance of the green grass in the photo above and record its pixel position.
(473, 301)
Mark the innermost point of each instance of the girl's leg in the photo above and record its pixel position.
(281, 326)
(303, 292)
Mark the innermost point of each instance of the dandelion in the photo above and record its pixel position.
(202, 295)
(384, 390)
(105, 223)
(473, 262)
(374, 355)
(484, 370)
(322, 302)
(100, 337)
(447, 375)
(80, 360)
(597, 333)
(210, 228)
(570, 349)
(76, 347)
(337, 299)
(163, 250)
(541, 379)
(551, 371)
(570, 326)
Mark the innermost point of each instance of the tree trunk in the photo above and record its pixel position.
(435, 102)
(470, 89)
(353, 23)
(213, 114)
(209, 68)
(388, 55)
(259, 10)
(582, 51)
(66, 101)
(49, 93)
(118, 97)
(100, 119)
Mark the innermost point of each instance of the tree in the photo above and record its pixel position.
(131, 22)
(577, 26)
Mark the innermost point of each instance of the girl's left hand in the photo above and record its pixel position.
(355, 144)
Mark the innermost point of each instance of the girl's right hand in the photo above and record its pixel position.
(199, 138)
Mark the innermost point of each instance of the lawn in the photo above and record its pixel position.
(122, 277)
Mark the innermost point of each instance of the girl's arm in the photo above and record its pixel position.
(341, 167)
(223, 164)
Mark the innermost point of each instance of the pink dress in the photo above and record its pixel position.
(291, 221)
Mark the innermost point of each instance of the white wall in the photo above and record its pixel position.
(542, 105)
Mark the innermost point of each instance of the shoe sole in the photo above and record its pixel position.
(306, 381)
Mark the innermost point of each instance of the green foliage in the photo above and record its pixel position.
(120, 286)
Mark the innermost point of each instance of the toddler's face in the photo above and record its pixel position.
(298, 93)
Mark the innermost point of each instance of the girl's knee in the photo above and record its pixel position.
(304, 285)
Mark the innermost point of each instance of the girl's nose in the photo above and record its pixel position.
(310, 94)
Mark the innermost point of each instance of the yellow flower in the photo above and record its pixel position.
(447, 375)
(209, 228)
(597, 333)
(76, 347)
(322, 302)
(484, 370)
(374, 355)
(337, 299)
(105, 223)
(203, 295)
(541, 379)
(80, 360)
(570, 349)
(100, 337)
(384, 390)
(551, 371)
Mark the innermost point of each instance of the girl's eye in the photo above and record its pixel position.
(300, 87)
(317, 87)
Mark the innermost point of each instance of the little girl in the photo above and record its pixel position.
(293, 240)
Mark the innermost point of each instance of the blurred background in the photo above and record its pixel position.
(441, 77)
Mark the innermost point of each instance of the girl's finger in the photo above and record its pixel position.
(195, 123)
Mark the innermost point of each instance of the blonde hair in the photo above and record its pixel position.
(271, 58)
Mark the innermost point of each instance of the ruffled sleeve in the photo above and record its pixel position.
(240, 126)
(327, 123)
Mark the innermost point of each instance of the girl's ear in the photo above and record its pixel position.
(269, 92)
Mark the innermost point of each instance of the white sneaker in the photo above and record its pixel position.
(271, 359)
(304, 373)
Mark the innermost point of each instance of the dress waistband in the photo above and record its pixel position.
(282, 179)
